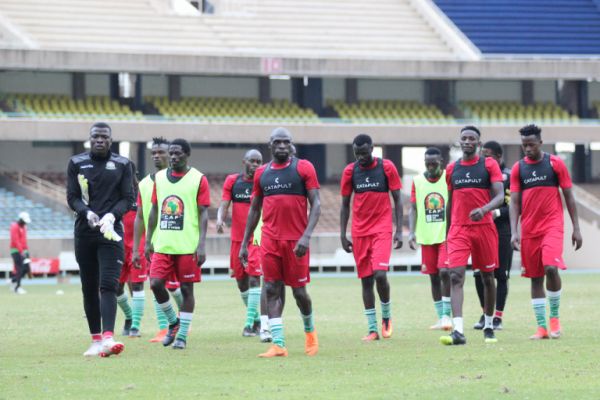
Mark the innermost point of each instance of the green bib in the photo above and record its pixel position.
(177, 231)
(432, 199)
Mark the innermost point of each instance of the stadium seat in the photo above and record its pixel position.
(389, 112)
(512, 111)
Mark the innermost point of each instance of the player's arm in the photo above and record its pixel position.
(152, 219)
(514, 213)
(138, 231)
(127, 195)
(398, 216)
(344, 217)
(74, 197)
(251, 223)
(203, 224)
(576, 238)
(313, 217)
(497, 200)
(412, 224)
(222, 214)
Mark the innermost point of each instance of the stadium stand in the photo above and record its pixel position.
(45, 222)
(512, 111)
(58, 106)
(232, 110)
(528, 26)
(349, 28)
(390, 112)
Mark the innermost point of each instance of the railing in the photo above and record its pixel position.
(37, 184)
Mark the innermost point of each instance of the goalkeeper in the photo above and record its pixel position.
(100, 191)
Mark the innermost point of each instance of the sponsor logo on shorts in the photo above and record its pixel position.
(424, 267)
(557, 260)
(189, 276)
(490, 266)
(384, 264)
(303, 279)
(142, 276)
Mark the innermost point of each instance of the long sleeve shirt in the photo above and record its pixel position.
(18, 238)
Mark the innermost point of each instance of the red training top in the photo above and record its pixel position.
(466, 200)
(239, 209)
(371, 211)
(285, 216)
(18, 238)
(541, 209)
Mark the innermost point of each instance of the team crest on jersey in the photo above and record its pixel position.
(171, 214)
(435, 208)
(111, 165)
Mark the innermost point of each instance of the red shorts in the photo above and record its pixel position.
(183, 266)
(372, 253)
(237, 270)
(131, 274)
(478, 241)
(433, 257)
(540, 251)
(281, 264)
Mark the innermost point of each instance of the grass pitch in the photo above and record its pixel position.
(42, 337)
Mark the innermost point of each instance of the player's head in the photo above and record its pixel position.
(493, 149)
(179, 151)
(160, 152)
(362, 145)
(531, 140)
(433, 162)
(281, 144)
(470, 140)
(100, 138)
(252, 160)
(24, 218)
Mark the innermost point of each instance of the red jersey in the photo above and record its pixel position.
(18, 238)
(238, 190)
(203, 197)
(471, 183)
(538, 183)
(284, 189)
(371, 206)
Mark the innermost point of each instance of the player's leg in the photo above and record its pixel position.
(501, 275)
(19, 272)
(553, 291)
(479, 288)
(162, 268)
(265, 330)
(489, 303)
(188, 273)
(531, 259)
(362, 252)
(383, 290)
(368, 296)
(89, 273)
(253, 305)
(110, 257)
(381, 252)
(138, 299)
(446, 301)
(459, 250)
(429, 266)
(123, 300)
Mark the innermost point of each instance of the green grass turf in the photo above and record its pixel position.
(43, 336)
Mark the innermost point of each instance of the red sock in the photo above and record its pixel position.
(499, 314)
(107, 334)
(96, 337)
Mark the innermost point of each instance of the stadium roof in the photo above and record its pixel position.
(409, 39)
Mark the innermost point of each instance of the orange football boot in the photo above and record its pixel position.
(311, 343)
(160, 335)
(371, 337)
(387, 329)
(274, 351)
(554, 328)
(541, 333)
